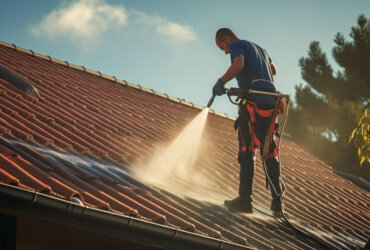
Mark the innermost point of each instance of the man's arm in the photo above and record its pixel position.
(273, 69)
(234, 69)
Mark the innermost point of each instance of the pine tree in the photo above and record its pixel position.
(330, 104)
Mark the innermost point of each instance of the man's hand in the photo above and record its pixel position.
(218, 88)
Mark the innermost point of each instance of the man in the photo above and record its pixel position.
(253, 69)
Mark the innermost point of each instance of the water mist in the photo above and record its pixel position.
(173, 167)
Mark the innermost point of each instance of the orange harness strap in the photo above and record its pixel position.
(254, 140)
(272, 129)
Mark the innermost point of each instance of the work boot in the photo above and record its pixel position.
(240, 204)
(277, 206)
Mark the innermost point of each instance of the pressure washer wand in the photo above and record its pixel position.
(211, 101)
(239, 92)
(244, 93)
(251, 91)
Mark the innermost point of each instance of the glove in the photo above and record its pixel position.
(218, 88)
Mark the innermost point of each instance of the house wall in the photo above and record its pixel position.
(36, 233)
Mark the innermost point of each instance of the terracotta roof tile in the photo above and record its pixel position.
(5, 177)
(16, 171)
(85, 134)
(44, 177)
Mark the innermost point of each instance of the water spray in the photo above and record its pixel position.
(172, 166)
(243, 93)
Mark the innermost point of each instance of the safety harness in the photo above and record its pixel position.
(248, 110)
(247, 119)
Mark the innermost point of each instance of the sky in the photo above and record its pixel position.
(169, 45)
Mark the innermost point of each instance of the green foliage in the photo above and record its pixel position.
(361, 140)
(329, 104)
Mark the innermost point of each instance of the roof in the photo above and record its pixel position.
(80, 140)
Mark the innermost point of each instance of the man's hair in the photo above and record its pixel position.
(225, 32)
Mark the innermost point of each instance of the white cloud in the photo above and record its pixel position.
(177, 31)
(86, 21)
(162, 26)
(83, 19)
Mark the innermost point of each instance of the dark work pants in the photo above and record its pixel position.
(247, 159)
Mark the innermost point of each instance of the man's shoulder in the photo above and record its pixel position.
(255, 47)
(244, 44)
(241, 42)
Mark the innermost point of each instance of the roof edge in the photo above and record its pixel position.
(35, 203)
(112, 78)
(357, 180)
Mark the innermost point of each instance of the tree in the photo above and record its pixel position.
(328, 107)
(360, 138)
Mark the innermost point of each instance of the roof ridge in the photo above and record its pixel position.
(112, 78)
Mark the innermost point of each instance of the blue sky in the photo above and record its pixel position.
(169, 45)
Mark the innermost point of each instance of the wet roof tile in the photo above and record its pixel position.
(109, 126)
(14, 170)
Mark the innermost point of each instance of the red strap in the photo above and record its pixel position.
(281, 106)
(244, 144)
(273, 154)
(271, 129)
(260, 112)
(264, 113)
(250, 109)
(254, 143)
(254, 140)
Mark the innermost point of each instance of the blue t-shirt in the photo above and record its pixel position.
(257, 73)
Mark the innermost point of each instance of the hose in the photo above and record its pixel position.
(318, 241)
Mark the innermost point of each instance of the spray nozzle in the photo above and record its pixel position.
(211, 101)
